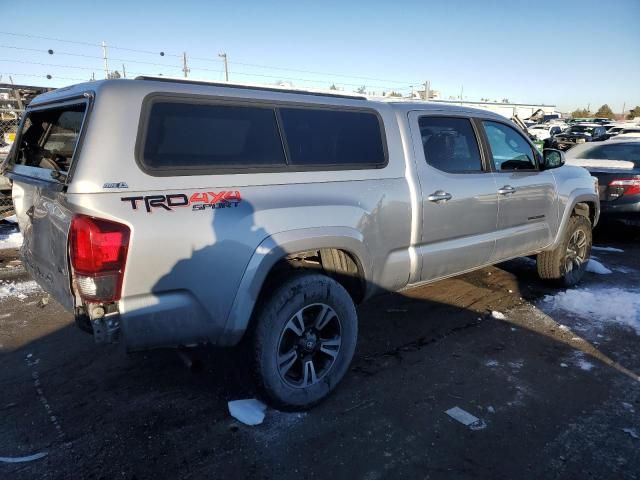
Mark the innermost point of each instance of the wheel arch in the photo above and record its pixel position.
(285, 246)
(584, 203)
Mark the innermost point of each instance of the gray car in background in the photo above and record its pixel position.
(177, 213)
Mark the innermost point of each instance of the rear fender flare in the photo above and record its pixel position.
(269, 252)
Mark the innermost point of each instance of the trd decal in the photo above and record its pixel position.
(115, 185)
(197, 201)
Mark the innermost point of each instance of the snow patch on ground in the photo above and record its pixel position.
(17, 290)
(12, 240)
(596, 267)
(584, 364)
(607, 249)
(599, 305)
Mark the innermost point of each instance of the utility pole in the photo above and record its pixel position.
(16, 94)
(461, 93)
(624, 107)
(427, 91)
(185, 68)
(93, 76)
(223, 56)
(124, 71)
(106, 61)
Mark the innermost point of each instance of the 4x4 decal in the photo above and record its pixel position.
(197, 201)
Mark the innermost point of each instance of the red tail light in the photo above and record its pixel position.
(98, 250)
(624, 186)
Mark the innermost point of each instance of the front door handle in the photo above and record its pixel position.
(506, 190)
(439, 197)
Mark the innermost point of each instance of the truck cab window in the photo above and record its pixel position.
(450, 144)
(509, 148)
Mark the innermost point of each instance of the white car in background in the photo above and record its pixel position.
(545, 131)
(628, 133)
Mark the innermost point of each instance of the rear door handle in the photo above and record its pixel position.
(439, 197)
(506, 190)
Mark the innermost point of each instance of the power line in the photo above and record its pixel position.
(176, 68)
(48, 77)
(81, 55)
(322, 73)
(204, 59)
(88, 44)
(56, 65)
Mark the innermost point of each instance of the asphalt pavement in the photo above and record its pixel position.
(555, 390)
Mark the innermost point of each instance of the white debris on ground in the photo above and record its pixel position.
(632, 433)
(465, 418)
(12, 219)
(492, 363)
(12, 240)
(599, 305)
(498, 315)
(249, 411)
(607, 249)
(17, 290)
(594, 266)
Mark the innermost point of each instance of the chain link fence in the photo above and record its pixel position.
(9, 122)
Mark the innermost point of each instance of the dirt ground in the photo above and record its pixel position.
(557, 394)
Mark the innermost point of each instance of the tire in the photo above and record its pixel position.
(568, 261)
(283, 347)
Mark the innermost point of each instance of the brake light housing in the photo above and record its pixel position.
(98, 252)
(624, 186)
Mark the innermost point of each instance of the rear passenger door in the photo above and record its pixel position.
(527, 200)
(459, 200)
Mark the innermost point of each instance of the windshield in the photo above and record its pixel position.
(48, 138)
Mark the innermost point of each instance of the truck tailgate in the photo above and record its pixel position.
(45, 220)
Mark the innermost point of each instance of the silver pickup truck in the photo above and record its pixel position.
(175, 213)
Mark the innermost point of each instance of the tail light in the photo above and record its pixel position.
(624, 186)
(98, 250)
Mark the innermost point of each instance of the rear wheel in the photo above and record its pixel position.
(304, 339)
(568, 261)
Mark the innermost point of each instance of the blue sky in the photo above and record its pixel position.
(568, 53)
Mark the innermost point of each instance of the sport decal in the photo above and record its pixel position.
(197, 201)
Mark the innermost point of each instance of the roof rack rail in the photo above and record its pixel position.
(250, 87)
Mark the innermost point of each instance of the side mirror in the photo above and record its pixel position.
(552, 158)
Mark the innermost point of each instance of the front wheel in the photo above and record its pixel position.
(304, 339)
(568, 261)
